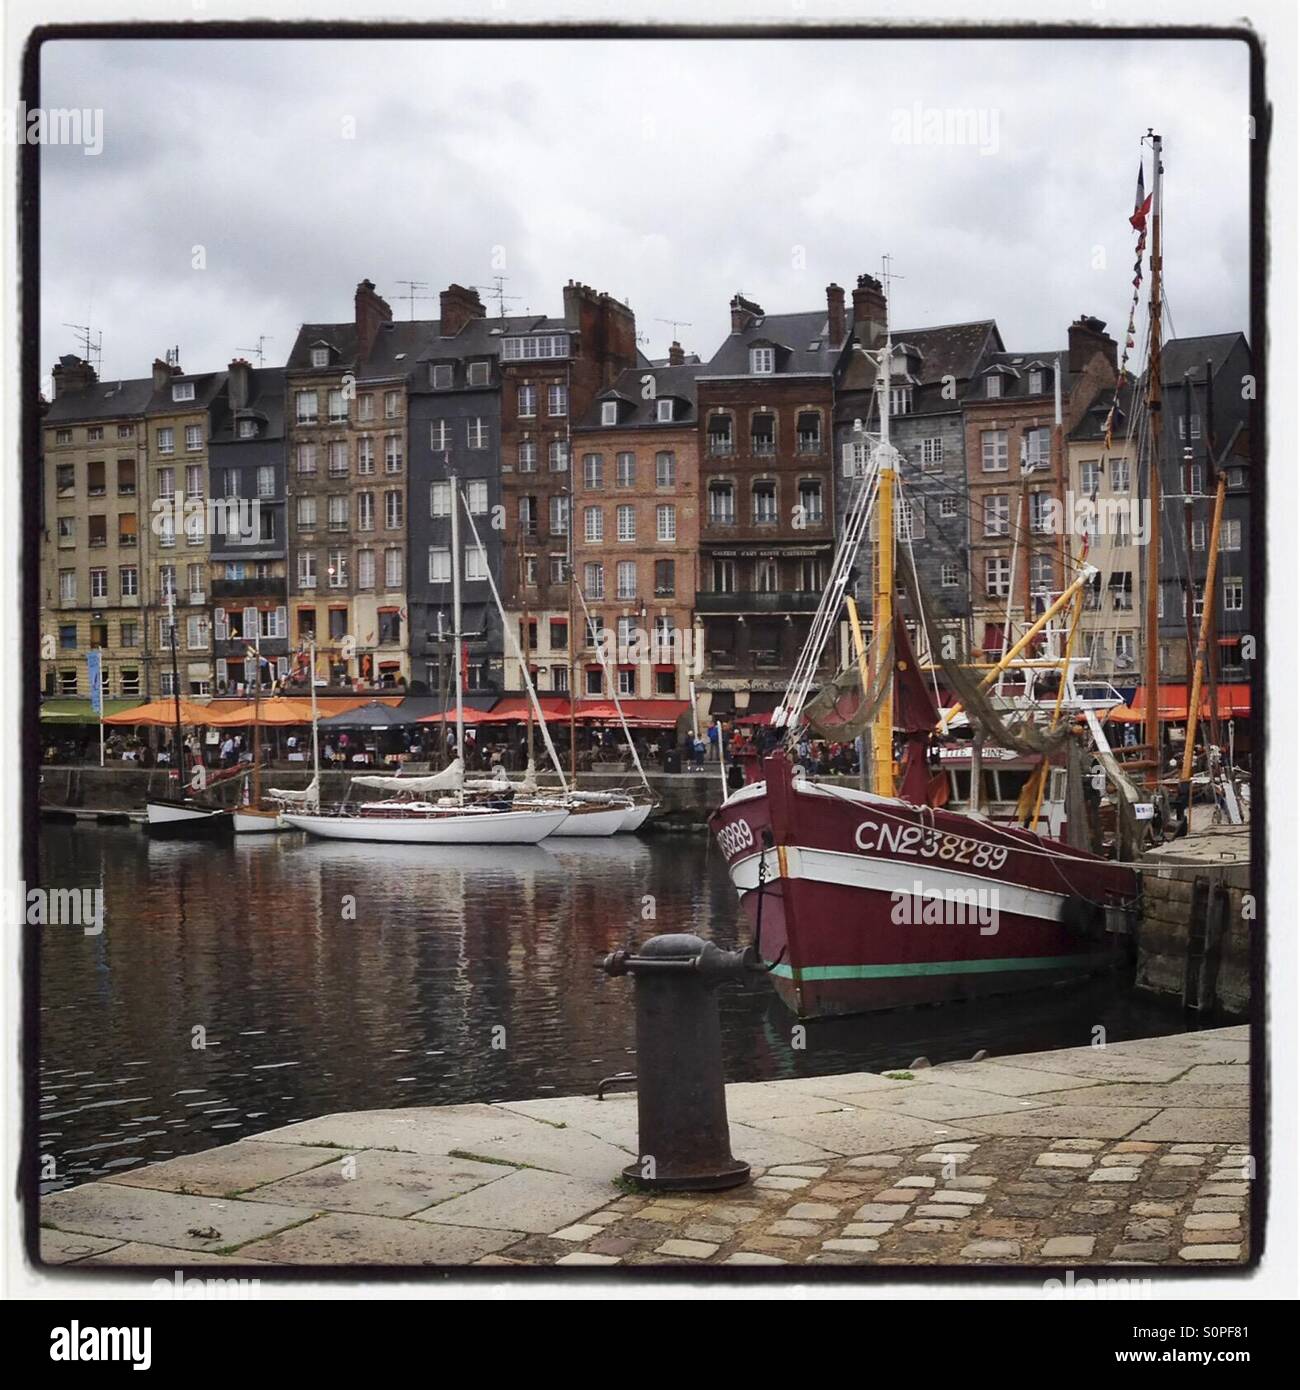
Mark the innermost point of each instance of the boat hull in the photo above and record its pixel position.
(249, 822)
(635, 817)
(487, 828)
(166, 818)
(871, 903)
(592, 823)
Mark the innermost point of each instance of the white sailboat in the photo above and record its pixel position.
(591, 815)
(254, 818)
(434, 809)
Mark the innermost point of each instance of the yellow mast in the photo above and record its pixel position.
(1207, 617)
(882, 729)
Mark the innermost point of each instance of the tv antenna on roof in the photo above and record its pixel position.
(91, 343)
(497, 291)
(676, 324)
(260, 349)
(411, 287)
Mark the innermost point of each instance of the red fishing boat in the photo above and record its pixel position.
(864, 900)
(868, 902)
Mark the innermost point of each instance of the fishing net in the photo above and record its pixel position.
(839, 711)
(1020, 734)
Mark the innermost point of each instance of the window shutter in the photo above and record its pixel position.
(281, 622)
(221, 629)
(848, 460)
(250, 624)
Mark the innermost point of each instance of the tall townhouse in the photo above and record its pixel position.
(1200, 436)
(766, 411)
(1016, 466)
(636, 479)
(178, 526)
(247, 587)
(930, 375)
(1111, 625)
(455, 430)
(91, 581)
(551, 370)
(346, 414)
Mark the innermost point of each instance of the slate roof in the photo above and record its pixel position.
(105, 400)
(639, 413)
(266, 393)
(206, 387)
(1181, 355)
(794, 332)
(1093, 424)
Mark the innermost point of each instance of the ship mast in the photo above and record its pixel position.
(882, 730)
(1154, 418)
(456, 637)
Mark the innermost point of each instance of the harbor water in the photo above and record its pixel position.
(237, 988)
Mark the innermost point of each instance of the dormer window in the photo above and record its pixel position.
(664, 410)
(762, 361)
(900, 400)
(1036, 387)
(248, 429)
(320, 357)
(609, 412)
(183, 391)
(993, 387)
(442, 376)
(478, 373)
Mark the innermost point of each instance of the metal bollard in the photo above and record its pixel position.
(683, 1138)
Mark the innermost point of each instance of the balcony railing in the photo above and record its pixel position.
(762, 446)
(720, 446)
(809, 444)
(780, 601)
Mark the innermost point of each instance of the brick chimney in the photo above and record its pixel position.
(71, 373)
(239, 383)
(1088, 337)
(869, 311)
(675, 354)
(371, 311)
(162, 374)
(835, 314)
(743, 313)
(457, 306)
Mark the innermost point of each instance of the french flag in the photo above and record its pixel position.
(1141, 205)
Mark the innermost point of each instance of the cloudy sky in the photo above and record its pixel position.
(671, 174)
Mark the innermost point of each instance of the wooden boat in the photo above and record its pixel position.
(181, 818)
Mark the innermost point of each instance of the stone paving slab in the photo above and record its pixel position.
(138, 1253)
(1179, 1094)
(939, 1102)
(1000, 1078)
(1097, 1156)
(526, 1200)
(1232, 1126)
(225, 1171)
(165, 1218)
(475, 1131)
(1081, 1120)
(350, 1238)
(64, 1247)
(380, 1183)
(1107, 1064)
(1219, 1074)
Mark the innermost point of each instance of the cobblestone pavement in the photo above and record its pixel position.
(1134, 1154)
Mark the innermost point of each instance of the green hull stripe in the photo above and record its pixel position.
(939, 967)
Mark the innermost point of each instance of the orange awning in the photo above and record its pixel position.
(161, 714)
(1234, 701)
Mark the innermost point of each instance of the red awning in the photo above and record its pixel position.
(1234, 701)
(640, 714)
(509, 709)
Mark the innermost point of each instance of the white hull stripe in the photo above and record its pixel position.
(867, 874)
